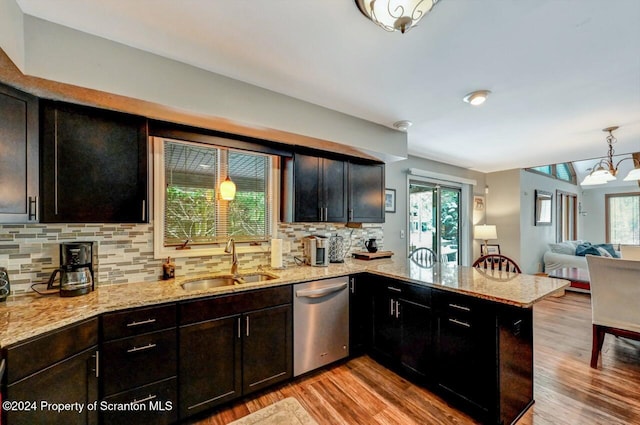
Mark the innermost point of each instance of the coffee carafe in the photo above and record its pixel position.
(76, 269)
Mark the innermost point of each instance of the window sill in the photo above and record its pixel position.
(207, 251)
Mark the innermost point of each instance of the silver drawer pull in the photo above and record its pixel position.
(142, 322)
(145, 347)
(458, 322)
(391, 288)
(147, 398)
(460, 307)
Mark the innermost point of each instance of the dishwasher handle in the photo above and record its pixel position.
(320, 292)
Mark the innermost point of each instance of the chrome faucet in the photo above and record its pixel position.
(231, 249)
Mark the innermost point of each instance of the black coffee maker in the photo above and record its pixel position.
(76, 269)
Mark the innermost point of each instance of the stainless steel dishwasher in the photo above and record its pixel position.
(320, 323)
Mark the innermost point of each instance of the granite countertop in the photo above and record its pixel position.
(25, 316)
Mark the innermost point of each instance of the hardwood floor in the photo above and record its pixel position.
(566, 390)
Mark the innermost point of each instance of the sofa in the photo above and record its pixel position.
(572, 254)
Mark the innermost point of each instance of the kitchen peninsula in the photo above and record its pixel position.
(462, 332)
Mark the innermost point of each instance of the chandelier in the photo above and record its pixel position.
(604, 171)
(395, 15)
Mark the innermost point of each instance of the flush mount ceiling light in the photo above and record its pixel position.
(477, 97)
(604, 171)
(395, 15)
(402, 125)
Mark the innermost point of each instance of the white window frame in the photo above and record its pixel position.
(214, 249)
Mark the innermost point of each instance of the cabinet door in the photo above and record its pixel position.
(94, 165)
(267, 347)
(416, 351)
(307, 188)
(18, 156)
(366, 193)
(386, 325)
(334, 182)
(72, 380)
(360, 315)
(209, 364)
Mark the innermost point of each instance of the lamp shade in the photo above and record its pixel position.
(227, 190)
(485, 232)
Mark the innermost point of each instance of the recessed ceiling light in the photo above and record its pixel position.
(402, 125)
(477, 97)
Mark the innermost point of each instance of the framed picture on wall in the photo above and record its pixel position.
(478, 203)
(489, 249)
(390, 200)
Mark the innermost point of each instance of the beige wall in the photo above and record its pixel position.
(12, 31)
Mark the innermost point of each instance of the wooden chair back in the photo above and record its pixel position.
(424, 257)
(630, 252)
(497, 262)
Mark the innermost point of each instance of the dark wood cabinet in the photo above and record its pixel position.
(266, 347)
(402, 326)
(366, 193)
(466, 356)
(360, 314)
(93, 165)
(316, 189)
(320, 189)
(484, 356)
(19, 156)
(139, 365)
(59, 367)
(233, 345)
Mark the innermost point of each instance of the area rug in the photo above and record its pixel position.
(284, 412)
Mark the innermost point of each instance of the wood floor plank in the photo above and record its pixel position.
(567, 391)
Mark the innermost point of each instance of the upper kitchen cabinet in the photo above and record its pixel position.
(18, 156)
(93, 165)
(366, 193)
(320, 189)
(316, 189)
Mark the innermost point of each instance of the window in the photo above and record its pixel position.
(623, 218)
(563, 171)
(567, 213)
(187, 204)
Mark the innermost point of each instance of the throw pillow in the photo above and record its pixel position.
(586, 248)
(603, 252)
(609, 248)
(575, 243)
(562, 248)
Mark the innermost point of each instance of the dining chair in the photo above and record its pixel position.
(424, 257)
(630, 252)
(497, 262)
(615, 297)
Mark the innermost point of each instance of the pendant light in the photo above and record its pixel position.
(227, 190)
(605, 171)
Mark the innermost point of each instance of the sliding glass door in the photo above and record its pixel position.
(434, 219)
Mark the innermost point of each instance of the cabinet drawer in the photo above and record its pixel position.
(160, 402)
(138, 360)
(26, 358)
(406, 291)
(228, 305)
(137, 321)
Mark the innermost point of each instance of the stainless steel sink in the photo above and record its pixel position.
(257, 277)
(226, 280)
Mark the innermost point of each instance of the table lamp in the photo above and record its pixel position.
(485, 232)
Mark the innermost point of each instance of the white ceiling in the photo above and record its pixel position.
(560, 70)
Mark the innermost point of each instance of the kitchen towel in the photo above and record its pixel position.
(276, 253)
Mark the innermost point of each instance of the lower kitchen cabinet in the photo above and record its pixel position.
(139, 366)
(402, 326)
(59, 367)
(233, 345)
(360, 314)
(466, 350)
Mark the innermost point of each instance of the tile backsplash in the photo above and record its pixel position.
(31, 252)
